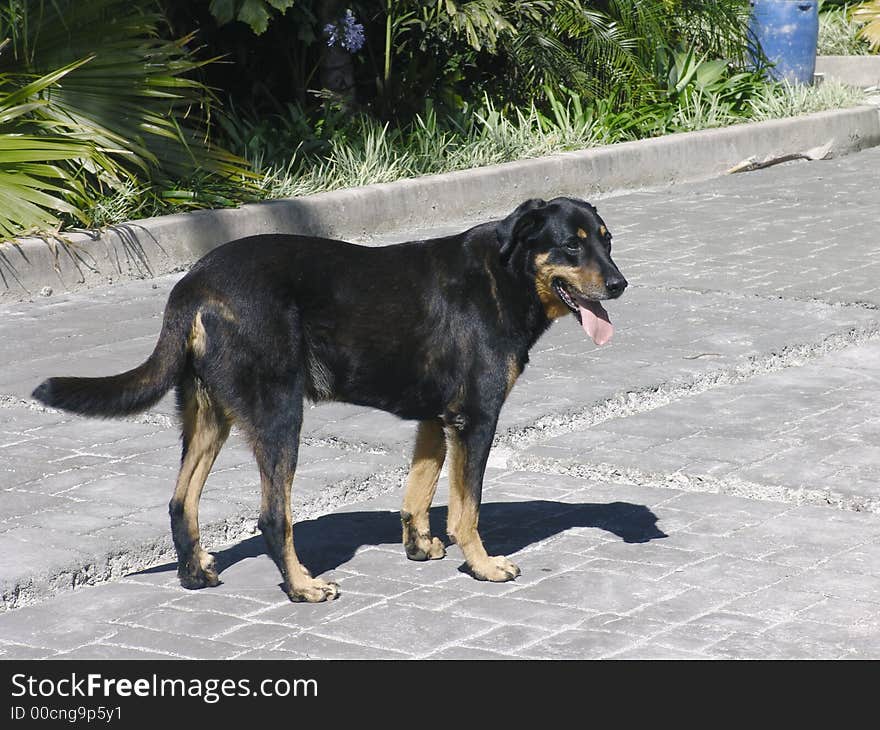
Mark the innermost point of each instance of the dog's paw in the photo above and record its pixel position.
(199, 572)
(425, 549)
(497, 569)
(313, 591)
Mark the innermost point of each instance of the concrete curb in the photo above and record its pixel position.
(862, 71)
(160, 245)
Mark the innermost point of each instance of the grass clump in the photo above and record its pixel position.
(839, 33)
(791, 100)
(374, 152)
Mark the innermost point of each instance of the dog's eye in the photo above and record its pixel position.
(572, 245)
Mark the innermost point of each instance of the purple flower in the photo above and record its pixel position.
(346, 32)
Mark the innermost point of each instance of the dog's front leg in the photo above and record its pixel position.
(276, 524)
(428, 456)
(468, 453)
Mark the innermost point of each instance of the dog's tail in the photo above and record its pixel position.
(130, 392)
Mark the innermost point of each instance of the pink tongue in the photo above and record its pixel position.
(595, 322)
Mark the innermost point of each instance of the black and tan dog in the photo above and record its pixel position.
(435, 331)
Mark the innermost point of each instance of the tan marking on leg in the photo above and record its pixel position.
(421, 484)
(276, 524)
(454, 422)
(456, 480)
(464, 515)
(299, 584)
(513, 372)
(206, 426)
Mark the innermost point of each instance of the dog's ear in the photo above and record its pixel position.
(519, 223)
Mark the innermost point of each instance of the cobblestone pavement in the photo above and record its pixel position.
(608, 571)
(808, 433)
(704, 486)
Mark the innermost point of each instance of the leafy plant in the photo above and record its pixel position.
(701, 96)
(455, 52)
(101, 99)
(610, 49)
(789, 100)
(689, 77)
(839, 32)
(41, 174)
(133, 95)
(115, 128)
(254, 13)
(869, 14)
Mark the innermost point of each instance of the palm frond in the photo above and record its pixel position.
(42, 161)
(579, 47)
(479, 21)
(127, 94)
(869, 14)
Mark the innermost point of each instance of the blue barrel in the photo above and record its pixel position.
(787, 31)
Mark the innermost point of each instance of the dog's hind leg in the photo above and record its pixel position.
(276, 444)
(468, 454)
(428, 456)
(205, 428)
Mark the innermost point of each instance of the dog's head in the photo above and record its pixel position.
(565, 247)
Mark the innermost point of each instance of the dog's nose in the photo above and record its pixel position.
(615, 285)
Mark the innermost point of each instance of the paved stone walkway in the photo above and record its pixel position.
(807, 433)
(704, 486)
(608, 571)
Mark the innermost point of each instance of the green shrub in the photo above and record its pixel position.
(839, 32)
(92, 100)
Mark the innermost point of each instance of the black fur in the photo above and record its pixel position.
(129, 392)
(424, 330)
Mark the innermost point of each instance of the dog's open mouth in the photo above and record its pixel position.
(591, 314)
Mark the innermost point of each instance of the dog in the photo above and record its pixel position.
(435, 331)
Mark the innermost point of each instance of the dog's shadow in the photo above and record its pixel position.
(330, 541)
